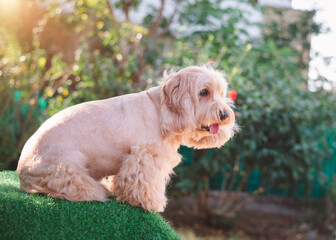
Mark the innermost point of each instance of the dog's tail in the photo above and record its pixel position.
(62, 182)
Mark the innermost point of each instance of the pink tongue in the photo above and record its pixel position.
(213, 129)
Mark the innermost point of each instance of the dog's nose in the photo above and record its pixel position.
(223, 115)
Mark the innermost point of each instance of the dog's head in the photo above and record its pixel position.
(194, 107)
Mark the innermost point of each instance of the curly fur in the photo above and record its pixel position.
(133, 138)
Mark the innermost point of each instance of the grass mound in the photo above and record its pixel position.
(32, 216)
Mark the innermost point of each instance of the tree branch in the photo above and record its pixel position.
(114, 21)
(156, 25)
(126, 5)
(165, 30)
(141, 65)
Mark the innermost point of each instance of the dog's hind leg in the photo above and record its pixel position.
(143, 177)
(61, 181)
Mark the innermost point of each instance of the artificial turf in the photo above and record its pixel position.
(33, 216)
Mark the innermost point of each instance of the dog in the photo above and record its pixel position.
(134, 138)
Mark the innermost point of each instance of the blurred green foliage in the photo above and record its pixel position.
(21, 74)
(284, 129)
(284, 126)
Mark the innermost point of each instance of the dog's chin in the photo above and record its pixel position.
(210, 136)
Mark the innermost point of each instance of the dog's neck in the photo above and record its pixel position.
(154, 95)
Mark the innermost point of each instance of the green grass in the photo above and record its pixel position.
(32, 216)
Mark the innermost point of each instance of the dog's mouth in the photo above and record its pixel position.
(212, 129)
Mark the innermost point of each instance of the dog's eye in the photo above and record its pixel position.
(204, 92)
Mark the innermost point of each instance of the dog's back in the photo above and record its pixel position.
(80, 145)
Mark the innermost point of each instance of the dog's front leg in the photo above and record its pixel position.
(143, 177)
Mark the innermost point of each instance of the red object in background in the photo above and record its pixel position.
(233, 95)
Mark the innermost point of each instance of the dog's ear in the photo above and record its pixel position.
(177, 104)
(171, 93)
(177, 92)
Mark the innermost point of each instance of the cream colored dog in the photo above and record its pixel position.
(134, 137)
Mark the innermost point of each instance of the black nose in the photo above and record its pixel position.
(223, 115)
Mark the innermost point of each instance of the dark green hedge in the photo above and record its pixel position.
(32, 216)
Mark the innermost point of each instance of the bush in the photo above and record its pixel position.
(282, 147)
(22, 107)
(32, 216)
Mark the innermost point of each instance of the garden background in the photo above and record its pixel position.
(54, 54)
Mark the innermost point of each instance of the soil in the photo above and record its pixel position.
(262, 218)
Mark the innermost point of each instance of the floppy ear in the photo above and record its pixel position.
(177, 104)
(171, 93)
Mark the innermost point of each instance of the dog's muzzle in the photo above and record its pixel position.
(214, 128)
